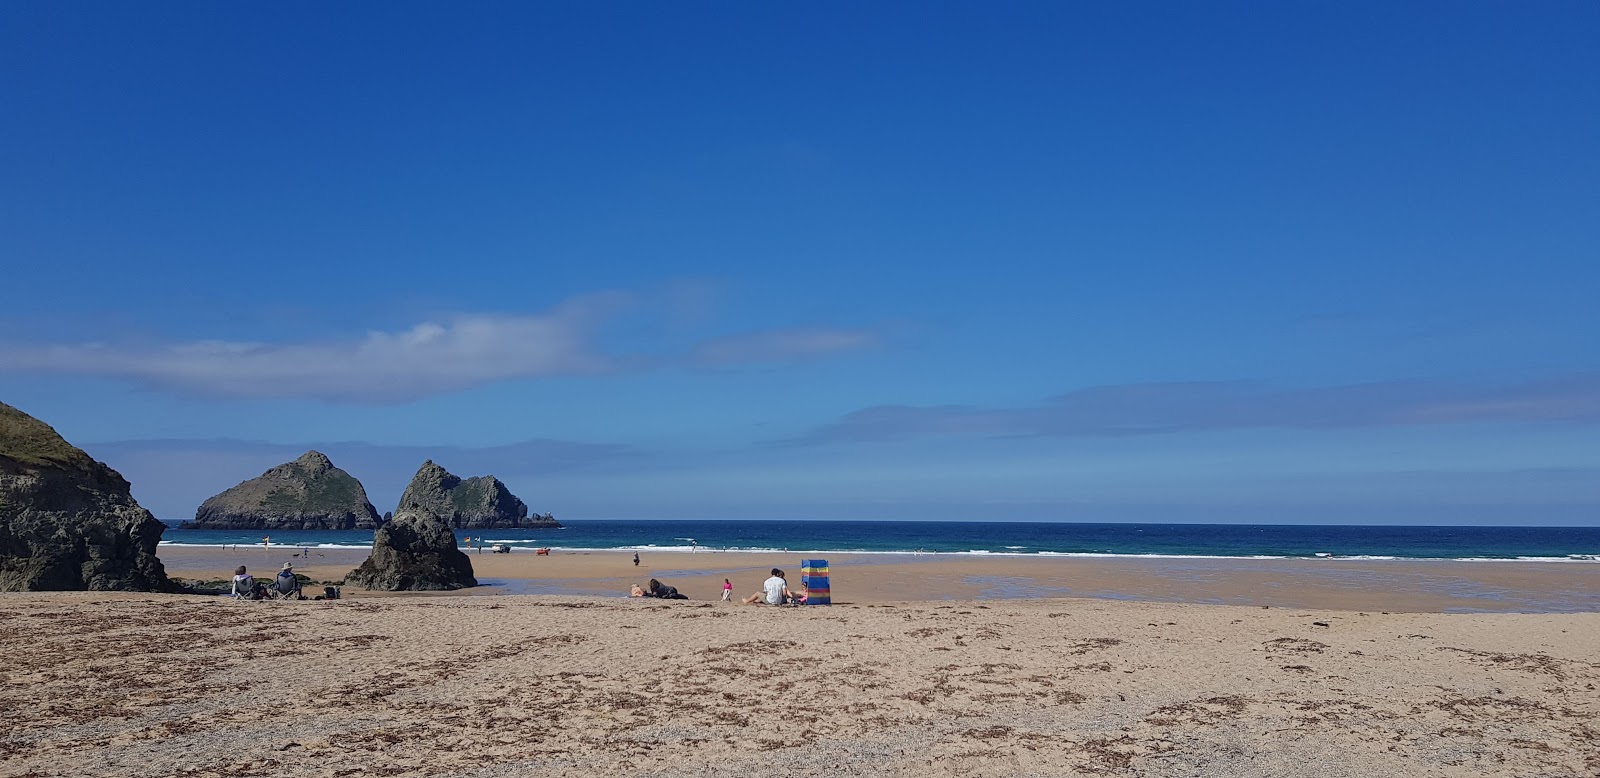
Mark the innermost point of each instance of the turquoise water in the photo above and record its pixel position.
(1574, 544)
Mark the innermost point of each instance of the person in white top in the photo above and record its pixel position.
(774, 591)
(244, 585)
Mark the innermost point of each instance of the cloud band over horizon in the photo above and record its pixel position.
(1162, 408)
(429, 358)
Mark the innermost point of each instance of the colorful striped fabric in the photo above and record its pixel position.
(814, 576)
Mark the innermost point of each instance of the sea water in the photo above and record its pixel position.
(1487, 544)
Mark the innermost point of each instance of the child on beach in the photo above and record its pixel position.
(727, 590)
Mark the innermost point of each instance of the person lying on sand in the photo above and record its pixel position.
(636, 591)
(774, 590)
(663, 591)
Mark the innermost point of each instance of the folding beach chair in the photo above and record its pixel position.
(285, 587)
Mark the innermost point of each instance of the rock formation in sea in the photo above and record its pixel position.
(68, 522)
(308, 493)
(415, 551)
(479, 502)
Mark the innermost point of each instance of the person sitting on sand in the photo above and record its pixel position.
(774, 590)
(799, 597)
(636, 591)
(244, 586)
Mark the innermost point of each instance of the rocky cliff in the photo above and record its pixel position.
(480, 502)
(415, 551)
(308, 493)
(66, 521)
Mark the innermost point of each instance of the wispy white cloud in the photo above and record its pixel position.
(1146, 409)
(429, 358)
(782, 345)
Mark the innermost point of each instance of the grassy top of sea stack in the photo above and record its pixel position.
(32, 442)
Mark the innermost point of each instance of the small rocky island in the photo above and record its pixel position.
(414, 552)
(68, 522)
(308, 493)
(479, 502)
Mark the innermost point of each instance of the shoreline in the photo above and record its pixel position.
(1417, 586)
(522, 546)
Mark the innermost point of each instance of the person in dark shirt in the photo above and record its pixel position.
(663, 591)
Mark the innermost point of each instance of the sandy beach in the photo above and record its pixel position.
(942, 665)
(122, 685)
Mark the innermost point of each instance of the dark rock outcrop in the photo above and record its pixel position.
(415, 551)
(308, 493)
(68, 522)
(480, 502)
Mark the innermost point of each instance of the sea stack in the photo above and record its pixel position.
(414, 552)
(308, 493)
(68, 522)
(479, 502)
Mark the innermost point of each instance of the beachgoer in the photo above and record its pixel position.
(774, 590)
(244, 586)
(635, 559)
(287, 586)
(727, 590)
(636, 591)
(663, 591)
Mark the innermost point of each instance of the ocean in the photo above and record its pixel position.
(1557, 544)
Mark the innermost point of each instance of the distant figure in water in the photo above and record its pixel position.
(635, 559)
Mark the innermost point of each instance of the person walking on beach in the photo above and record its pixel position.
(635, 559)
(727, 590)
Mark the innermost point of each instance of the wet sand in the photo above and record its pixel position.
(1355, 585)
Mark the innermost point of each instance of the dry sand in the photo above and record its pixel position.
(126, 685)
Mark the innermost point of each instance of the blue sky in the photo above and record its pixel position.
(1332, 262)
